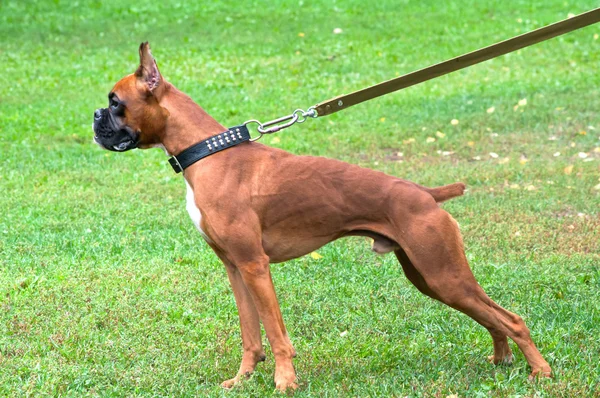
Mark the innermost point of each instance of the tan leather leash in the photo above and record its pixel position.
(431, 72)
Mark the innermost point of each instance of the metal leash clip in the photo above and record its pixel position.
(298, 116)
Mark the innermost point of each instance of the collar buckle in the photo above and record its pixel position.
(175, 164)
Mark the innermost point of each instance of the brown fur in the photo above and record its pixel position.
(262, 205)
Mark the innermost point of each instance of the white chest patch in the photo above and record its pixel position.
(193, 210)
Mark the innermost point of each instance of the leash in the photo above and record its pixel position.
(431, 72)
(237, 135)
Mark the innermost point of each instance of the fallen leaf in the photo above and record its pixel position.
(440, 134)
(301, 34)
(471, 143)
(582, 132)
(491, 109)
(523, 102)
(515, 107)
(382, 120)
(597, 149)
(517, 233)
(556, 154)
(523, 160)
(582, 155)
(476, 157)
(315, 255)
(515, 186)
(275, 140)
(596, 36)
(597, 187)
(337, 31)
(494, 155)
(569, 169)
(408, 141)
(454, 122)
(345, 332)
(503, 160)
(430, 139)
(531, 188)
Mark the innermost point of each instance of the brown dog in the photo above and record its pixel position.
(257, 205)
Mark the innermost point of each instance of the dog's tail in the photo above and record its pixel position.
(441, 194)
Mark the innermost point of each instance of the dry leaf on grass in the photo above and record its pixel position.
(316, 256)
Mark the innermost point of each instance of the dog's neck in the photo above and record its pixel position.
(187, 123)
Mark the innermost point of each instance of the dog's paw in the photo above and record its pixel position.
(505, 360)
(541, 373)
(228, 384)
(285, 386)
(285, 378)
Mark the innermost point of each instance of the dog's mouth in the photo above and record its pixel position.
(126, 144)
(111, 134)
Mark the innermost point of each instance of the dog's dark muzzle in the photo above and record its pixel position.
(112, 135)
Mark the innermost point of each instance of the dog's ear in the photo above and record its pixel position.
(148, 72)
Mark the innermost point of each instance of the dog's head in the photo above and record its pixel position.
(134, 117)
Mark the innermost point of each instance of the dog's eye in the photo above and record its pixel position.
(114, 104)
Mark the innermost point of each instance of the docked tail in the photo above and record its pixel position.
(441, 194)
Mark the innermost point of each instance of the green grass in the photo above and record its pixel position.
(106, 289)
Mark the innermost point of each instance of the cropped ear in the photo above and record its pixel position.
(148, 72)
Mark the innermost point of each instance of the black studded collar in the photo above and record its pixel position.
(232, 137)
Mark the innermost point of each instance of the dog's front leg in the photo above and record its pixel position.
(249, 323)
(256, 275)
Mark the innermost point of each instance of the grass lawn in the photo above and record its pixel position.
(106, 289)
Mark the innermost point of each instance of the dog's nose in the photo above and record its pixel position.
(97, 114)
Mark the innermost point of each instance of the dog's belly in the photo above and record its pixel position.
(316, 200)
(193, 210)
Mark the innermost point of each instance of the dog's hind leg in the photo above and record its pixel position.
(502, 352)
(433, 258)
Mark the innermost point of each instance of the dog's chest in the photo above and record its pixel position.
(193, 210)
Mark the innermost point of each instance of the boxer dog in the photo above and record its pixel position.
(255, 205)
